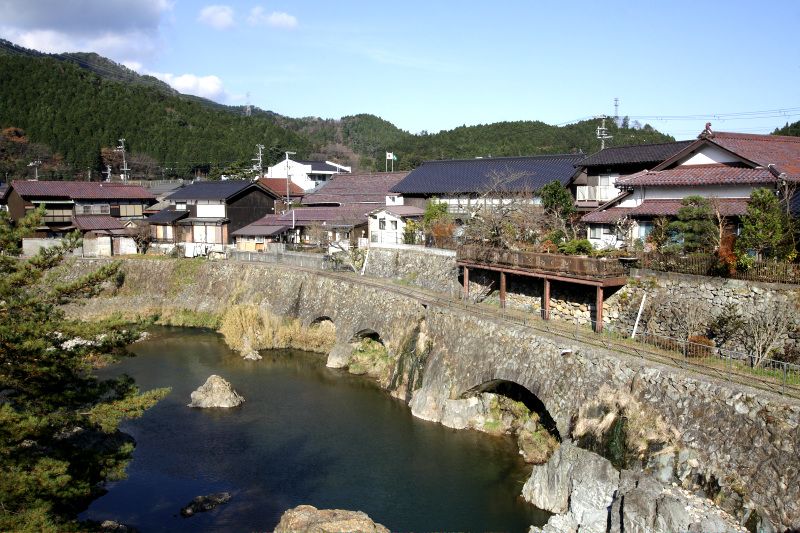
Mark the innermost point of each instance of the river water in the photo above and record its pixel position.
(306, 434)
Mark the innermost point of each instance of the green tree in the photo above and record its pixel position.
(694, 227)
(435, 211)
(58, 423)
(557, 200)
(765, 228)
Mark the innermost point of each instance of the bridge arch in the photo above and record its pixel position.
(518, 393)
(367, 333)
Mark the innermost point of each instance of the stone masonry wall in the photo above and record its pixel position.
(748, 441)
(427, 268)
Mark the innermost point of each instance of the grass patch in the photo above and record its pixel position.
(371, 357)
(248, 327)
(183, 273)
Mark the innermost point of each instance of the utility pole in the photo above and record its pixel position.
(35, 165)
(124, 169)
(107, 172)
(602, 131)
(616, 111)
(258, 159)
(287, 179)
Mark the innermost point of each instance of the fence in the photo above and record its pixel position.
(707, 265)
(299, 259)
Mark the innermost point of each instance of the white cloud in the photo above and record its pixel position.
(210, 87)
(276, 19)
(86, 25)
(216, 16)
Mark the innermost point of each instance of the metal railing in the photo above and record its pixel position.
(567, 265)
(702, 264)
(770, 375)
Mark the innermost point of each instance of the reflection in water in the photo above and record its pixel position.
(306, 434)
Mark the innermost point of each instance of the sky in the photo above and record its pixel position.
(438, 64)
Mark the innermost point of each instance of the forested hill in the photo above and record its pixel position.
(74, 114)
(69, 110)
(792, 129)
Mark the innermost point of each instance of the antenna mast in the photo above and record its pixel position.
(602, 131)
(616, 110)
(248, 109)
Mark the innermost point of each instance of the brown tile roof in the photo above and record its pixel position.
(96, 222)
(80, 190)
(606, 216)
(278, 186)
(778, 150)
(698, 175)
(352, 189)
(727, 206)
(305, 216)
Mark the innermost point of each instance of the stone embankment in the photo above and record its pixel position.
(737, 446)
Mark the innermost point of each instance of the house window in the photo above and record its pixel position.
(595, 232)
(180, 206)
(645, 229)
(373, 237)
(607, 230)
(394, 225)
(381, 223)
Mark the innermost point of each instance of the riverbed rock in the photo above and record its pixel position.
(643, 504)
(575, 482)
(340, 355)
(216, 392)
(252, 355)
(309, 519)
(112, 526)
(202, 504)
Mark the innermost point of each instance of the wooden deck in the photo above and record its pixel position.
(598, 273)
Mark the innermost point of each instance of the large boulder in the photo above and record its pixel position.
(216, 392)
(307, 518)
(577, 482)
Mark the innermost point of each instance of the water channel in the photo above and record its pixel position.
(306, 434)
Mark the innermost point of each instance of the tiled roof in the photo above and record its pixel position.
(401, 210)
(167, 216)
(80, 190)
(305, 216)
(640, 153)
(254, 230)
(727, 206)
(96, 222)
(353, 189)
(778, 150)
(211, 190)
(319, 166)
(606, 216)
(698, 175)
(278, 186)
(480, 175)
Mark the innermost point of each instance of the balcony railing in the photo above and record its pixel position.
(558, 264)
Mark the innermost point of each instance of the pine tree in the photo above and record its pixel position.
(694, 226)
(765, 228)
(58, 423)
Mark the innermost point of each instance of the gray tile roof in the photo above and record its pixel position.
(167, 216)
(211, 190)
(465, 176)
(319, 166)
(639, 153)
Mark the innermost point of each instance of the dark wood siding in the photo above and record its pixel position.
(245, 209)
(16, 205)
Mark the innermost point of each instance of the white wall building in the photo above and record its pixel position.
(306, 174)
(387, 225)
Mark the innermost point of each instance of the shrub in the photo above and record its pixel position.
(576, 247)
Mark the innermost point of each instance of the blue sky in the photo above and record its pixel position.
(432, 65)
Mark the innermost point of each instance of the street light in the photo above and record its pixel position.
(287, 178)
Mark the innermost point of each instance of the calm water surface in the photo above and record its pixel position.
(306, 434)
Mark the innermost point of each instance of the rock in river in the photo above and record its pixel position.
(216, 392)
(310, 519)
(205, 503)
